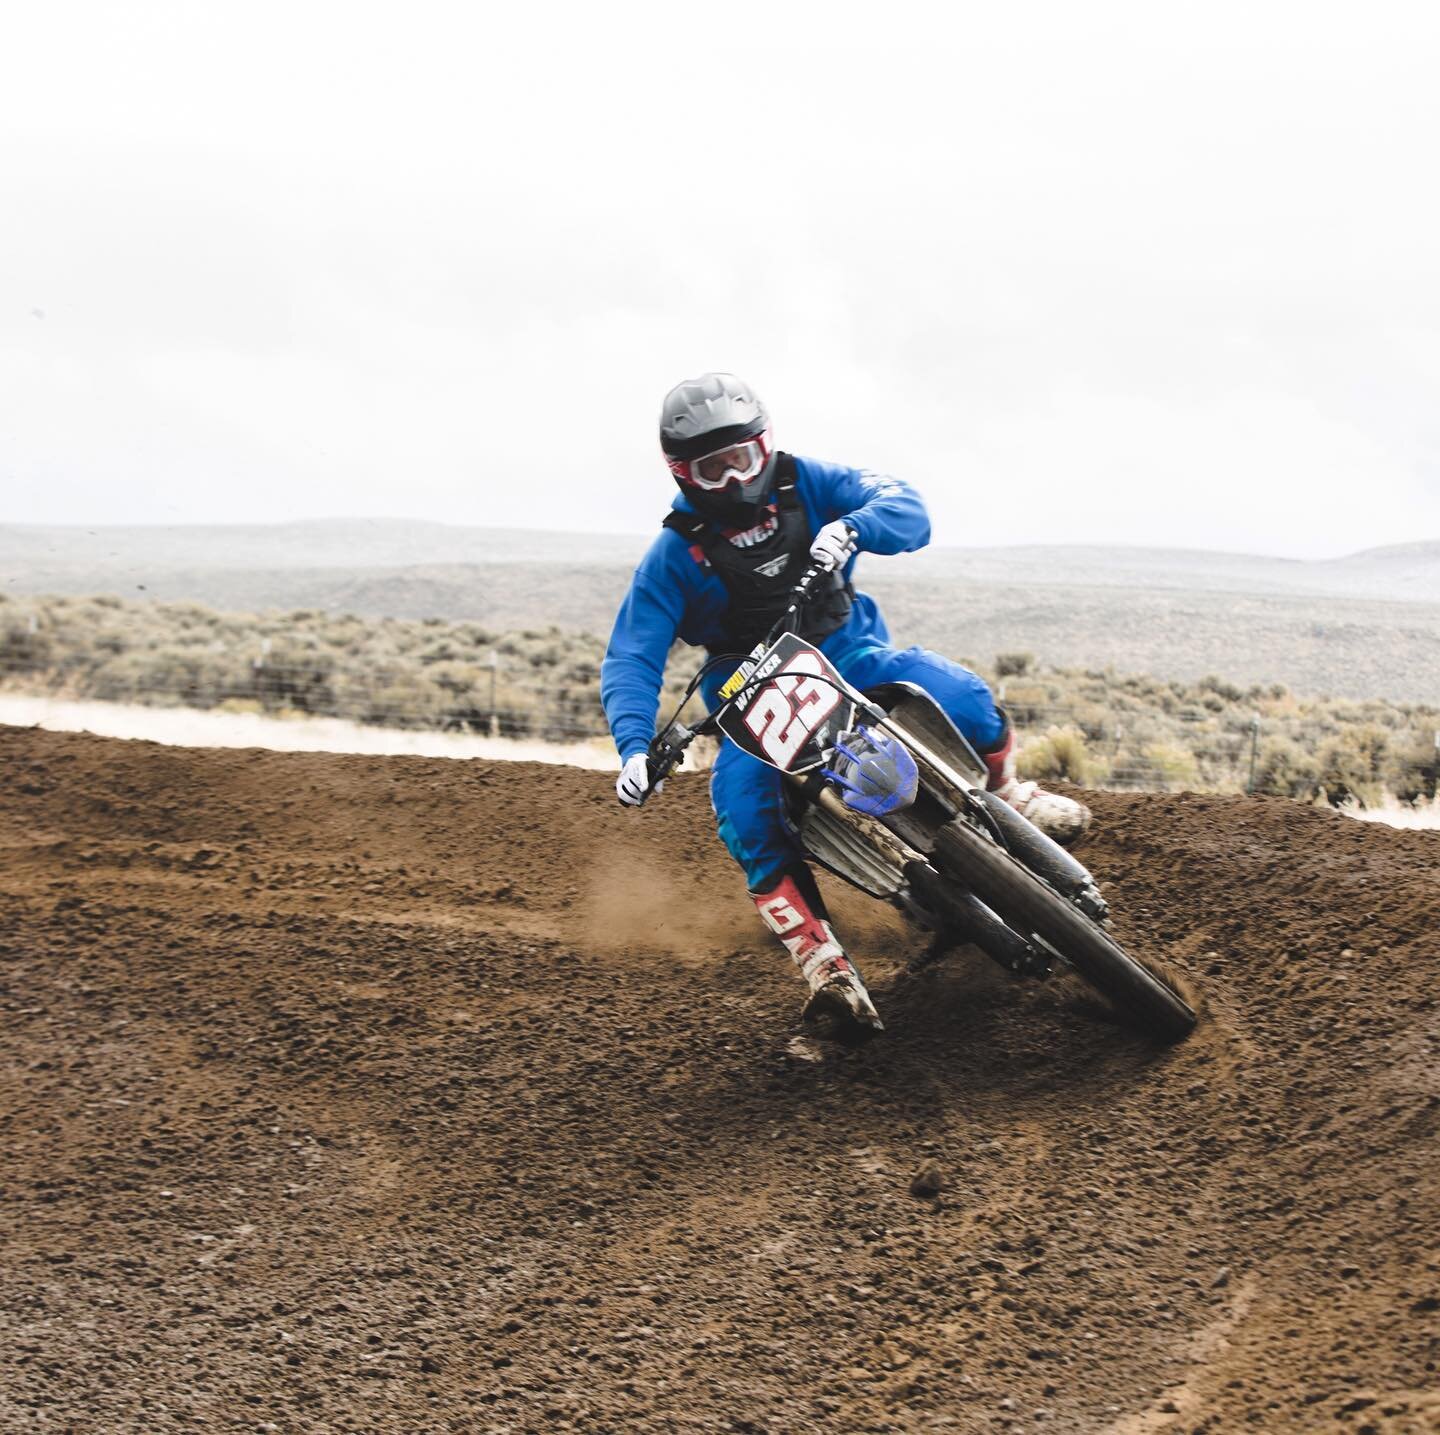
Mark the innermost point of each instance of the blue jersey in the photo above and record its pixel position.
(673, 596)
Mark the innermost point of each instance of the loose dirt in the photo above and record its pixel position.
(367, 1094)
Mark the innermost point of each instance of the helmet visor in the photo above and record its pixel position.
(737, 463)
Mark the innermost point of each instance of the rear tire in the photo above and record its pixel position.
(1148, 1003)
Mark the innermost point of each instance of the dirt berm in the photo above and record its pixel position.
(357, 1094)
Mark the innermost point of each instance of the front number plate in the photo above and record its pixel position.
(790, 708)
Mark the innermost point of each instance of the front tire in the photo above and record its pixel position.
(1147, 1002)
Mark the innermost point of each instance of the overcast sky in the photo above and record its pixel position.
(1158, 273)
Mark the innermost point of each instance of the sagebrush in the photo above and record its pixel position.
(1089, 726)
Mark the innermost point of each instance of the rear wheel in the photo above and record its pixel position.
(1148, 1002)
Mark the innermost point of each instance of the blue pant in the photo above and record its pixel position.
(746, 794)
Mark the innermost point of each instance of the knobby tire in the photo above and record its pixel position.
(1146, 1002)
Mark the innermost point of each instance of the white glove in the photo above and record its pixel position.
(833, 545)
(634, 781)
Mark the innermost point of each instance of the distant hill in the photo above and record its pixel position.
(1367, 625)
(1404, 573)
(1334, 647)
(318, 543)
(90, 556)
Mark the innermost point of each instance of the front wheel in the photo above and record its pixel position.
(1149, 1004)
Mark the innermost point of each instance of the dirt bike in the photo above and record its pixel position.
(952, 856)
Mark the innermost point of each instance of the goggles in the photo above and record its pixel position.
(737, 463)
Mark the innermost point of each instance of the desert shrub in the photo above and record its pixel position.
(22, 648)
(403, 705)
(520, 711)
(1412, 770)
(1060, 753)
(1285, 769)
(123, 679)
(1160, 765)
(1352, 766)
(445, 650)
(457, 679)
(295, 676)
(1026, 702)
(170, 675)
(1175, 765)
(111, 641)
(1153, 733)
(1228, 692)
(1094, 719)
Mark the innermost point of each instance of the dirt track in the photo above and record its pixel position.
(406, 1095)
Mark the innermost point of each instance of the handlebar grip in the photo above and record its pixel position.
(660, 761)
(656, 773)
(808, 579)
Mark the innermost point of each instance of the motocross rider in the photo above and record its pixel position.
(746, 523)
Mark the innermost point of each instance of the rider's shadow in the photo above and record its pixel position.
(967, 1052)
(994, 1084)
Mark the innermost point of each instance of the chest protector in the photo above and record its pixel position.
(759, 576)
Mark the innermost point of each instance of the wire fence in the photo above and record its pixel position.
(544, 686)
(484, 699)
(492, 701)
(1221, 759)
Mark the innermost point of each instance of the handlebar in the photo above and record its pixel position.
(798, 594)
(665, 754)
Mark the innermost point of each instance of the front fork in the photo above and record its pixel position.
(965, 918)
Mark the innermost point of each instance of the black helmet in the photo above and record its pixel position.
(716, 437)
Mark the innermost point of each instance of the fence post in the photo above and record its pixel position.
(1254, 750)
(494, 712)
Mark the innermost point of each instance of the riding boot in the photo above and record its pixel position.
(1060, 818)
(838, 1004)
